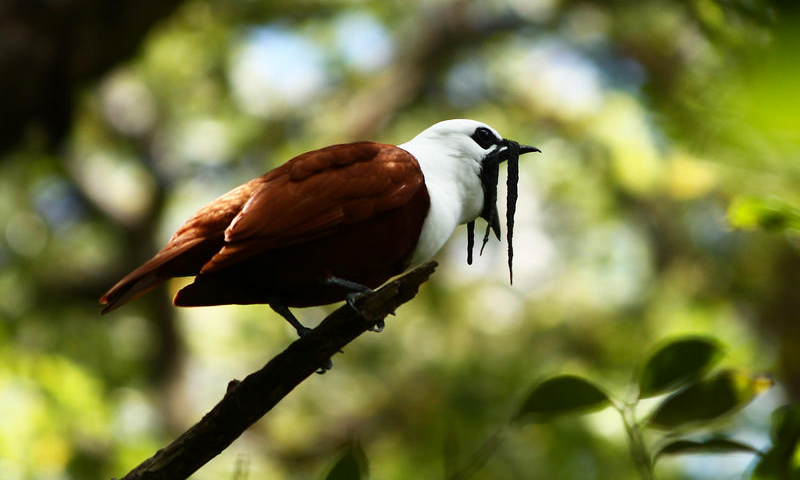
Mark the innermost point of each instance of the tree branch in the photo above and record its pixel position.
(247, 401)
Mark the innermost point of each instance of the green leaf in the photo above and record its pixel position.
(708, 400)
(768, 213)
(782, 460)
(352, 465)
(711, 445)
(561, 395)
(778, 464)
(678, 363)
(786, 424)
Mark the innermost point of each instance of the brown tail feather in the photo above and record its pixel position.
(177, 259)
(129, 289)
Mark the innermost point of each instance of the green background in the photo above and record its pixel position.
(664, 204)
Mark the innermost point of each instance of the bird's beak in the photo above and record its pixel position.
(506, 149)
(528, 149)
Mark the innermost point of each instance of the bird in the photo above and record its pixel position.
(334, 222)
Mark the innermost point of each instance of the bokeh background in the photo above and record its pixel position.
(664, 203)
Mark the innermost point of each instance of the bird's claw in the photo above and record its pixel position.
(327, 365)
(351, 301)
(378, 327)
(352, 297)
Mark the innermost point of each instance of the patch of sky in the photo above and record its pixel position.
(468, 83)
(362, 41)
(276, 69)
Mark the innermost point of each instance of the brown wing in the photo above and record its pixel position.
(322, 192)
(311, 196)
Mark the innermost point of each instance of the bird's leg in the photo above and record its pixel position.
(302, 330)
(357, 291)
(284, 312)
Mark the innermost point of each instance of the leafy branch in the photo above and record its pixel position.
(696, 399)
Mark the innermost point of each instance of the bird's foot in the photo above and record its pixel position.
(351, 301)
(357, 292)
(352, 297)
(301, 330)
(327, 364)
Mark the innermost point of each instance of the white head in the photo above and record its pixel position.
(452, 152)
(451, 161)
(459, 159)
(467, 139)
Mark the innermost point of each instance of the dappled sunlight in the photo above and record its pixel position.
(26, 234)
(555, 79)
(117, 183)
(629, 139)
(689, 177)
(127, 103)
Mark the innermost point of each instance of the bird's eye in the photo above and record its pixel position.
(484, 137)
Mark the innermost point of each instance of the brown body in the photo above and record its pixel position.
(352, 211)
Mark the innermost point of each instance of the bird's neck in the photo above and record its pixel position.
(455, 191)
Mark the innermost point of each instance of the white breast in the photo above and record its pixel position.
(455, 191)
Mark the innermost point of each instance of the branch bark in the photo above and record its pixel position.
(247, 401)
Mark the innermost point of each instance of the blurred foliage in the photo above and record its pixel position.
(768, 213)
(696, 405)
(676, 363)
(782, 459)
(664, 204)
(352, 465)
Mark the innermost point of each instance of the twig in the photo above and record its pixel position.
(479, 458)
(247, 401)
